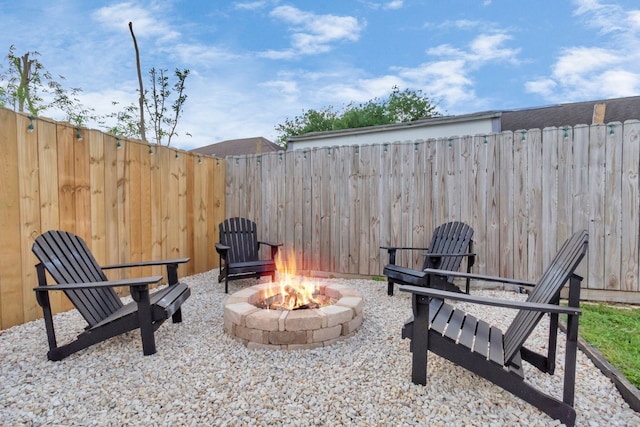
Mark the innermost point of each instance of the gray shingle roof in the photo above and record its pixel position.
(577, 113)
(238, 147)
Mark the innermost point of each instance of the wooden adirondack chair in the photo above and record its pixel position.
(239, 252)
(68, 260)
(450, 244)
(488, 352)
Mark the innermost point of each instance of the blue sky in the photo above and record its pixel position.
(255, 63)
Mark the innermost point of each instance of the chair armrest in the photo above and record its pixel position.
(480, 277)
(222, 249)
(495, 302)
(273, 245)
(394, 248)
(147, 263)
(140, 281)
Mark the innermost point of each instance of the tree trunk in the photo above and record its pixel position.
(143, 135)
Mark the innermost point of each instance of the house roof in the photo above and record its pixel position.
(572, 114)
(238, 147)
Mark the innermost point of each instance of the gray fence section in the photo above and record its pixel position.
(523, 193)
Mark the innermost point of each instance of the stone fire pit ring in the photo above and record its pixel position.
(259, 328)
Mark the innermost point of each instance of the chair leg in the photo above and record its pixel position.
(226, 284)
(420, 339)
(177, 316)
(389, 288)
(140, 294)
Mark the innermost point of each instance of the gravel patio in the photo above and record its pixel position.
(200, 376)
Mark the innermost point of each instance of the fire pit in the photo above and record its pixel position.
(283, 315)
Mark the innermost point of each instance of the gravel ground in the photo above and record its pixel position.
(200, 376)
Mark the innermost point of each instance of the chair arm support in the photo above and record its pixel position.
(147, 263)
(274, 247)
(141, 281)
(478, 277)
(520, 305)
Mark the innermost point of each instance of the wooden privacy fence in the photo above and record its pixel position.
(130, 201)
(523, 192)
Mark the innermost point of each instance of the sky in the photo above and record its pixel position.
(255, 64)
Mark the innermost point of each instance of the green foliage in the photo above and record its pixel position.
(615, 332)
(26, 83)
(309, 121)
(126, 121)
(26, 86)
(399, 106)
(156, 102)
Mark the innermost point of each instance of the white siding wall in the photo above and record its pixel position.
(403, 133)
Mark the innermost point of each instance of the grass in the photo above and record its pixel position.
(615, 333)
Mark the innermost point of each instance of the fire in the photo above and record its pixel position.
(293, 291)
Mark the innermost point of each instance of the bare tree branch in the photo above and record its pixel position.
(135, 44)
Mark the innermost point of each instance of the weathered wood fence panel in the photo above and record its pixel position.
(128, 200)
(523, 193)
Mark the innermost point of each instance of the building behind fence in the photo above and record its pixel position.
(523, 193)
(130, 201)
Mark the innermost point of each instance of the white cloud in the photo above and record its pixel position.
(449, 79)
(251, 5)
(363, 90)
(601, 71)
(482, 49)
(580, 61)
(489, 48)
(202, 55)
(544, 87)
(312, 33)
(117, 17)
(393, 5)
(634, 20)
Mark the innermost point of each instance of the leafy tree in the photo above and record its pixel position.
(26, 83)
(399, 106)
(157, 102)
(26, 86)
(309, 121)
(127, 123)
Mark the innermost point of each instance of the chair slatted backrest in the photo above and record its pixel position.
(241, 235)
(546, 291)
(68, 260)
(451, 237)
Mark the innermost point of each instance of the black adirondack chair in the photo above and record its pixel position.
(488, 352)
(68, 260)
(239, 252)
(450, 244)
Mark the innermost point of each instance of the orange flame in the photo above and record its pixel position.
(294, 291)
